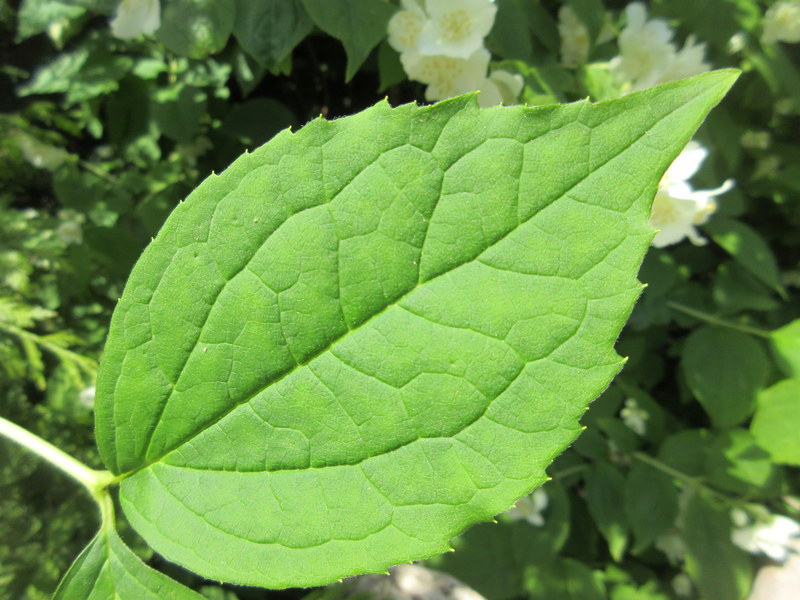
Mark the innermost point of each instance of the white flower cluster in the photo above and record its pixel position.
(136, 17)
(648, 56)
(782, 23)
(775, 536)
(441, 45)
(677, 208)
(634, 416)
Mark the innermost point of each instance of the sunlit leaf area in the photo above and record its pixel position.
(399, 299)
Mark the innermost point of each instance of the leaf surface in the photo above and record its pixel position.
(777, 421)
(367, 335)
(270, 29)
(726, 386)
(108, 569)
(359, 24)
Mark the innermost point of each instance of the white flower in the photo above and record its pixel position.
(776, 537)
(677, 208)
(644, 48)
(447, 76)
(574, 38)
(530, 508)
(135, 18)
(686, 62)
(634, 416)
(647, 55)
(456, 28)
(501, 87)
(406, 25)
(782, 23)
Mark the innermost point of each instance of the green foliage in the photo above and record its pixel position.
(108, 569)
(100, 139)
(775, 420)
(376, 286)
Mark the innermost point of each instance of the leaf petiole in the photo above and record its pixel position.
(94, 481)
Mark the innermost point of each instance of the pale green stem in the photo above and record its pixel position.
(92, 480)
(687, 479)
(698, 314)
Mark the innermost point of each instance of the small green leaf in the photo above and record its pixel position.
(372, 333)
(390, 69)
(736, 290)
(563, 579)
(748, 248)
(651, 503)
(108, 569)
(270, 29)
(359, 24)
(196, 28)
(726, 386)
(510, 37)
(785, 343)
(735, 462)
(177, 111)
(720, 570)
(36, 15)
(605, 494)
(493, 558)
(777, 421)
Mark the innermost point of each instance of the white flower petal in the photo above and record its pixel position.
(447, 76)
(405, 26)
(686, 165)
(782, 23)
(456, 28)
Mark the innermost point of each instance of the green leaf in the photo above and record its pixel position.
(390, 69)
(108, 569)
(359, 24)
(196, 28)
(651, 503)
(605, 493)
(563, 579)
(726, 386)
(493, 558)
(720, 570)
(785, 344)
(177, 111)
(370, 334)
(36, 15)
(736, 463)
(748, 248)
(270, 29)
(510, 37)
(777, 421)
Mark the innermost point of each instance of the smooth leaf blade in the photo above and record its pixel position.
(108, 569)
(367, 335)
